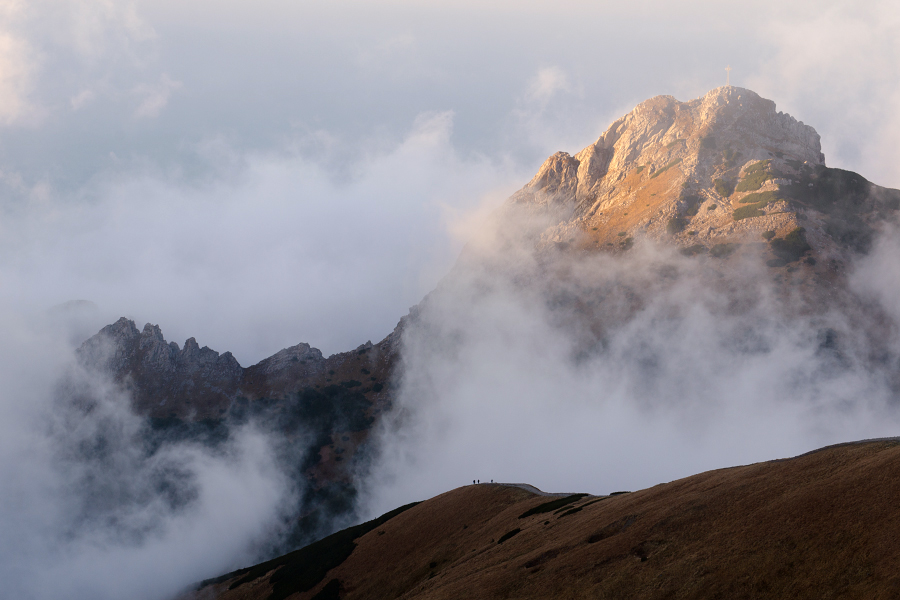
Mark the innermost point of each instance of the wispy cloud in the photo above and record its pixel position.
(17, 65)
(155, 97)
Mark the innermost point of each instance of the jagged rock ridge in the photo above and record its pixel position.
(318, 411)
(199, 383)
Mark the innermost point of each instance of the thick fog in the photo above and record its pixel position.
(594, 373)
(86, 513)
(275, 254)
(260, 174)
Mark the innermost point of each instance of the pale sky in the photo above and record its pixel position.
(256, 174)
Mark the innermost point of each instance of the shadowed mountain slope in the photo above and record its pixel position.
(824, 524)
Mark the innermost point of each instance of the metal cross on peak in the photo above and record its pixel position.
(728, 75)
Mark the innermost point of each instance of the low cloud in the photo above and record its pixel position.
(601, 373)
(834, 68)
(155, 97)
(87, 512)
(273, 251)
(547, 83)
(17, 66)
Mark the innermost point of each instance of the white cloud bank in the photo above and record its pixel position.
(277, 253)
(601, 373)
(85, 515)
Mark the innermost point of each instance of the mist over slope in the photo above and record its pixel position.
(694, 290)
(626, 320)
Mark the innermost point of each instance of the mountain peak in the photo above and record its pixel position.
(720, 170)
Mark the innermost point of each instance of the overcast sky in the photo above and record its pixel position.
(256, 174)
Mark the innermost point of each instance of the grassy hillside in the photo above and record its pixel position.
(822, 525)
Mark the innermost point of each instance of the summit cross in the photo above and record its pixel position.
(728, 75)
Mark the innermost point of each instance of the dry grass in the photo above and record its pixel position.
(645, 199)
(823, 525)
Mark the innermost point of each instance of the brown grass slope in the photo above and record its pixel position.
(821, 525)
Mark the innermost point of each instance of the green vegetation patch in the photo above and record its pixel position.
(749, 211)
(723, 187)
(508, 535)
(768, 235)
(302, 570)
(622, 234)
(665, 168)
(571, 512)
(792, 247)
(639, 168)
(754, 205)
(759, 197)
(757, 167)
(720, 251)
(692, 204)
(552, 505)
(676, 225)
(670, 145)
(845, 197)
(730, 158)
(627, 243)
(754, 176)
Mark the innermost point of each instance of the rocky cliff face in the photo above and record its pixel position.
(196, 383)
(708, 176)
(317, 411)
(163, 378)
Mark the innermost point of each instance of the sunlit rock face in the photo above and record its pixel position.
(726, 168)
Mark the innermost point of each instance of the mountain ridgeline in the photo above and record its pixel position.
(724, 184)
(317, 411)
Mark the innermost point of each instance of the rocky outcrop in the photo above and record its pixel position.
(161, 377)
(317, 411)
(719, 171)
(195, 382)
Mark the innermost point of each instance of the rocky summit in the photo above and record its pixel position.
(709, 176)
